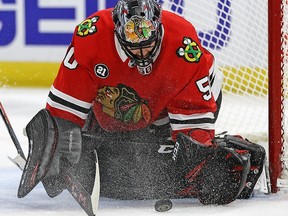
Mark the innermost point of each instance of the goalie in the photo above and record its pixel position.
(137, 86)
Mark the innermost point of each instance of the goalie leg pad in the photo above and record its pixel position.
(189, 157)
(42, 138)
(223, 177)
(257, 160)
(53, 185)
(214, 174)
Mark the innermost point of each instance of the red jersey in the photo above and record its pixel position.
(95, 72)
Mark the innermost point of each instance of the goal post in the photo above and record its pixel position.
(249, 42)
(275, 58)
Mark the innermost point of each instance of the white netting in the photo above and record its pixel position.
(236, 33)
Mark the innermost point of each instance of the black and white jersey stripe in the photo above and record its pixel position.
(216, 79)
(62, 101)
(182, 122)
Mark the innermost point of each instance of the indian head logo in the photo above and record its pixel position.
(138, 29)
(123, 103)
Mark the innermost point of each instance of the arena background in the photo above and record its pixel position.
(34, 36)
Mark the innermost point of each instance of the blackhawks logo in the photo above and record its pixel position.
(123, 103)
(87, 27)
(138, 29)
(191, 52)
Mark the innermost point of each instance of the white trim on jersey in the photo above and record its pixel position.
(70, 98)
(119, 50)
(62, 101)
(67, 109)
(206, 126)
(199, 120)
(216, 80)
(182, 117)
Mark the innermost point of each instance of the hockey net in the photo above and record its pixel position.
(236, 32)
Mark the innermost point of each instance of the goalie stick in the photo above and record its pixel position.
(88, 201)
(20, 158)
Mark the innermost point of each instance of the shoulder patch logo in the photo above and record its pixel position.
(87, 27)
(191, 52)
(101, 71)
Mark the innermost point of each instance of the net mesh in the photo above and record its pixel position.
(236, 34)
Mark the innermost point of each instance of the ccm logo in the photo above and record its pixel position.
(166, 149)
(175, 151)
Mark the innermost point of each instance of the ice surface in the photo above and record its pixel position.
(21, 105)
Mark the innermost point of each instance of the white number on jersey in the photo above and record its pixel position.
(69, 61)
(204, 87)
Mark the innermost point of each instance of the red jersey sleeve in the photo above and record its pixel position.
(73, 90)
(194, 106)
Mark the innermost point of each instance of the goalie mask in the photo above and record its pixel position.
(138, 30)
